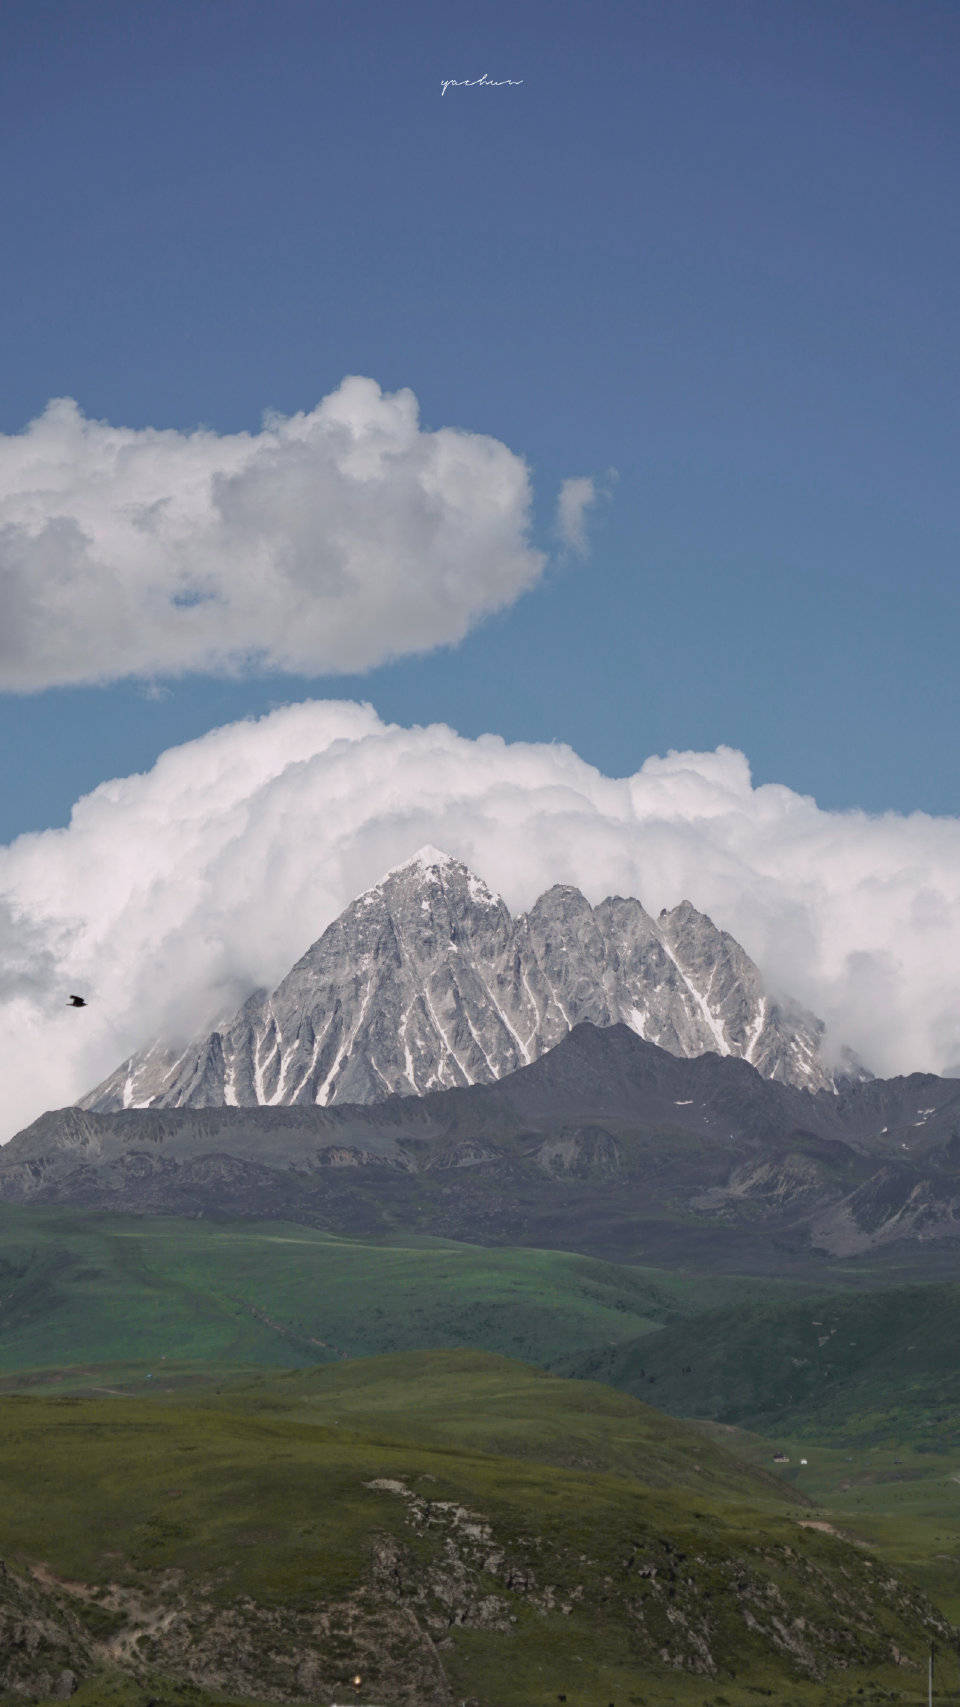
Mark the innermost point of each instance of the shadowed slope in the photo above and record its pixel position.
(606, 1145)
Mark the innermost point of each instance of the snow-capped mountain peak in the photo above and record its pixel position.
(426, 859)
(426, 982)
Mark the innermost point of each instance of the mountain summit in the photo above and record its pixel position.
(426, 982)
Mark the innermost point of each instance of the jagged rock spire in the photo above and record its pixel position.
(426, 982)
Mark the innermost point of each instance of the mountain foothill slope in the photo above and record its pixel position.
(607, 1145)
(426, 982)
(450, 1526)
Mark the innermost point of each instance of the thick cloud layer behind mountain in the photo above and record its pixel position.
(327, 542)
(174, 893)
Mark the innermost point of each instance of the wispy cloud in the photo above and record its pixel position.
(577, 496)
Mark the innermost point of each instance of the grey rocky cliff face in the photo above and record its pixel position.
(426, 982)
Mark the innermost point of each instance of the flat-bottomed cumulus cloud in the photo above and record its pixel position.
(175, 893)
(328, 542)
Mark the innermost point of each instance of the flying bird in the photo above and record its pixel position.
(77, 1002)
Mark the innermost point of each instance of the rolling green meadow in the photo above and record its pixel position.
(593, 1529)
(868, 1366)
(110, 1289)
(241, 1461)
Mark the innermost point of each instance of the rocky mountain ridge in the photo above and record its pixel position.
(607, 1145)
(426, 982)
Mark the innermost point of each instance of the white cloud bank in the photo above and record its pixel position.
(174, 893)
(328, 542)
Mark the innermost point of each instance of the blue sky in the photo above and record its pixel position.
(711, 246)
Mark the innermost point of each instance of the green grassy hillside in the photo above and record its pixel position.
(865, 1366)
(103, 1289)
(471, 1401)
(903, 1502)
(236, 1497)
(423, 1520)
